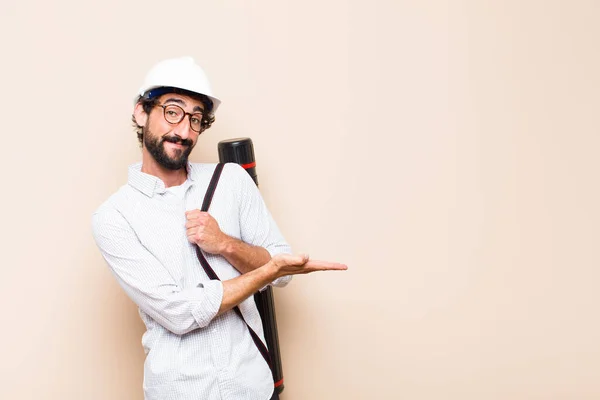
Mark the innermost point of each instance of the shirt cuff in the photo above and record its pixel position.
(284, 280)
(209, 295)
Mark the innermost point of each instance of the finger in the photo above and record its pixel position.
(192, 214)
(325, 266)
(191, 232)
(192, 224)
(203, 216)
(290, 259)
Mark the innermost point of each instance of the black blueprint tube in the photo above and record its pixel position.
(241, 151)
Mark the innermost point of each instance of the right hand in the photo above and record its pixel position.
(288, 264)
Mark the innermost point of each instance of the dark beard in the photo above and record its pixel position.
(156, 148)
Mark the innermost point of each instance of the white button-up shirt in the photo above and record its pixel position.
(190, 353)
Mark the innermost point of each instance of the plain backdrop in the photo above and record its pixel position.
(445, 150)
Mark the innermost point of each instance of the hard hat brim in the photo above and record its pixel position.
(143, 93)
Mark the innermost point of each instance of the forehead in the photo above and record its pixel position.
(186, 102)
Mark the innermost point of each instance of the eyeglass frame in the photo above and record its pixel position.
(202, 120)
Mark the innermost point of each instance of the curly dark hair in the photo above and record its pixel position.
(149, 103)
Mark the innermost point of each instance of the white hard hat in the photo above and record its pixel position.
(181, 73)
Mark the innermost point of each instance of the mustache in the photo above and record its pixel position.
(177, 140)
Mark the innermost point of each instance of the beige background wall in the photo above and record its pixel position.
(445, 150)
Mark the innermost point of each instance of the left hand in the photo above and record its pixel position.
(203, 230)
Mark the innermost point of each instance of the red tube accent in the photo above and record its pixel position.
(246, 166)
(279, 383)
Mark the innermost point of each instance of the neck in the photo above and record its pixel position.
(168, 176)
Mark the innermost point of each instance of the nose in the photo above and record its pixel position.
(183, 128)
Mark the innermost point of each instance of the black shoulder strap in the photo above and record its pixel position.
(210, 192)
(212, 274)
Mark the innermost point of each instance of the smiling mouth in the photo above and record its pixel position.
(177, 145)
(178, 142)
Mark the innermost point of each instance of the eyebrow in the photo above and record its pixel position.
(179, 101)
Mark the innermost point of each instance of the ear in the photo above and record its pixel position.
(140, 115)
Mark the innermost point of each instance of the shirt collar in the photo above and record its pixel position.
(150, 184)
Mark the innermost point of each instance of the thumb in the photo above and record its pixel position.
(290, 259)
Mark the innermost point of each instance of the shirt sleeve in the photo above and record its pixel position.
(257, 226)
(148, 283)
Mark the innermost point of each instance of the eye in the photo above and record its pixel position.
(196, 120)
